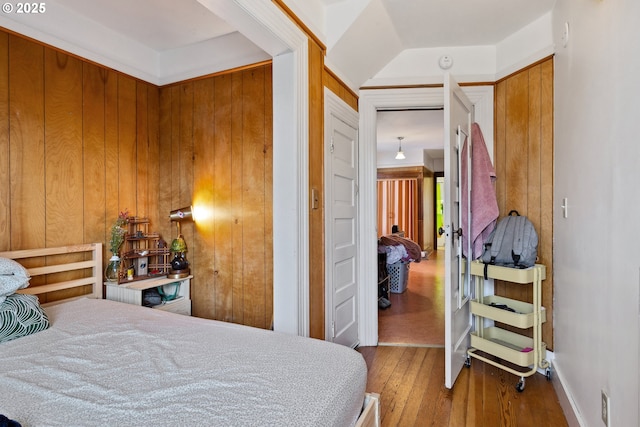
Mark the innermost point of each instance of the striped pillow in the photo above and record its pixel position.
(21, 315)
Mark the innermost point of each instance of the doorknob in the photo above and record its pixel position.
(458, 232)
(440, 231)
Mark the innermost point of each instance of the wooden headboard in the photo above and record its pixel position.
(64, 270)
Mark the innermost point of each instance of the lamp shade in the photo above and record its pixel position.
(182, 214)
(400, 155)
(178, 244)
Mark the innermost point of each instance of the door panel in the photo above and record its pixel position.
(458, 118)
(341, 235)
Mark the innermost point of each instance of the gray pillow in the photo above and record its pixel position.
(13, 276)
(21, 315)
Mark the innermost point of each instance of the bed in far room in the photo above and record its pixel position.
(107, 363)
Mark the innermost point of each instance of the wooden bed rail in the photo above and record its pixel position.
(55, 262)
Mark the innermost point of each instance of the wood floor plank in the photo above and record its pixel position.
(404, 392)
(420, 384)
(410, 381)
(395, 381)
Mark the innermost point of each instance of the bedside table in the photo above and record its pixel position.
(132, 293)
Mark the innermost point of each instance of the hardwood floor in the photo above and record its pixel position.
(409, 373)
(410, 381)
(416, 316)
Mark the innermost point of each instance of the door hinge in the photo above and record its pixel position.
(331, 147)
(333, 329)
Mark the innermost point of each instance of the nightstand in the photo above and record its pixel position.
(132, 293)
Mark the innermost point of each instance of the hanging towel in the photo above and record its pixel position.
(484, 205)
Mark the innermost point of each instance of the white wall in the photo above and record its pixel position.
(470, 63)
(597, 167)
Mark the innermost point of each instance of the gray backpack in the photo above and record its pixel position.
(513, 243)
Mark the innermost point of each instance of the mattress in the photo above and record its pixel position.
(107, 363)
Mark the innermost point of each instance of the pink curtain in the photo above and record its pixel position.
(397, 204)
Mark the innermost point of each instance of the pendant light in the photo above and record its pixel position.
(400, 154)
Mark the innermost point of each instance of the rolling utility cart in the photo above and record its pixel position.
(509, 346)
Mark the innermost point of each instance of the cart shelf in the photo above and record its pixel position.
(509, 346)
(522, 317)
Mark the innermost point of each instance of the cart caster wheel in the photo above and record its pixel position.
(467, 362)
(520, 385)
(548, 374)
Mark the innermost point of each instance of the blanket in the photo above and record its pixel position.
(413, 249)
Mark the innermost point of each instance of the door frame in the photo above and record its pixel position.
(334, 106)
(370, 101)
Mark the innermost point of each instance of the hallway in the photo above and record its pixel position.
(416, 316)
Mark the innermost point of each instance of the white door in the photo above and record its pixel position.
(341, 171)
(458, 117)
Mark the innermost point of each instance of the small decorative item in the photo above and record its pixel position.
(179, 263)
(115, 242)
(142, 266)
(113, 269)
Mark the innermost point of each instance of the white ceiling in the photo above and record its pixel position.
(166, 27)
(438, 23)
(158, 24)
(422, 129)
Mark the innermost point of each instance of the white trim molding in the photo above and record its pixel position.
(369, 103)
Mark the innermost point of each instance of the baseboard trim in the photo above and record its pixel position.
(399, 344)
(565, 397)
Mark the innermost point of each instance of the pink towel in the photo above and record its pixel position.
(484, 205)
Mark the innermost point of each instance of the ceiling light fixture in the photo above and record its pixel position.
(400, 154)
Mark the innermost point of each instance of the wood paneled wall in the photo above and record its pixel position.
(316, 183)
(78, 144)
(216, 152)
(524, 166)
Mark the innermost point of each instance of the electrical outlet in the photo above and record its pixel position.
(606, 416)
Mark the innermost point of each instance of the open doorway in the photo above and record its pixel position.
(371, 102)
(439, 210)
(407, 207)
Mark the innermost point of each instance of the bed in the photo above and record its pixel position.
(107, 363)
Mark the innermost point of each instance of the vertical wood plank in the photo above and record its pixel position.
(185, 151)
(165, 139)
(175, 152)
(253, 202)
(517, 144)
(63, 155)
(127, 143)
(237, 196)
(153, 106)
(26, 136)
(268, 195)
(499, 146)
(316, 181)
(203, 259)
(112, 164)
(5, 165)
(223, 214)
(142, 151)
(545, 244)
(93, 135)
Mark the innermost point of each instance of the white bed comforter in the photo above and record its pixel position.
(103, 363)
